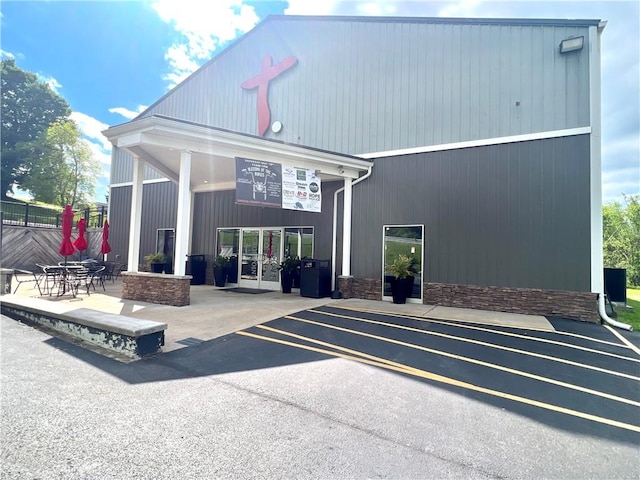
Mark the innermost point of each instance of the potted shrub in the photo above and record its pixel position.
(220, 270)
(155, 261)
(289, 268)
(402, 269)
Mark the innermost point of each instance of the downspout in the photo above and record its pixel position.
(610, 321)
(334, 246)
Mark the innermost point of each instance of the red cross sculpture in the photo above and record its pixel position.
(268, 72)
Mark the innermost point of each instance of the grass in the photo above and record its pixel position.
(632, 318)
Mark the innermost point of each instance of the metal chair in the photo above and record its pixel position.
(30, 277)
(97, 275)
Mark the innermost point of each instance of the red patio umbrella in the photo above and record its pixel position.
(105, 247)
(81, 242)
(66, 247)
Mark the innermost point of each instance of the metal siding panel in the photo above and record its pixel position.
(511, 215)
(375, 86)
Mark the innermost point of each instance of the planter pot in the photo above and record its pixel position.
(168, 268)
(219, 276)
(401, 289)
(157, 267)
(286, 281)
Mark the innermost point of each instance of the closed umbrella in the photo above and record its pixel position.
(66, 247)
(81, 242)
(105, 247)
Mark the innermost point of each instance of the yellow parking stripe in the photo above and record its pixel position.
(486, 344)
(489, 330)
(451, 381)
(624, 340)
(450, 355)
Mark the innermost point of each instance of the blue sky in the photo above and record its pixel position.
(110, 59)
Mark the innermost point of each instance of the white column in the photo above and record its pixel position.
(597, 254)
(183, 223)
(346, 229)
(135, 223)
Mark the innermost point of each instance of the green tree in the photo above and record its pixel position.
(621, 236)
(28, 108)
(65, 170)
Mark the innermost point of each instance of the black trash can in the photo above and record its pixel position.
(197, 268)
(615, 284)
(315, 278)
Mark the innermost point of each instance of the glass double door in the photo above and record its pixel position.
(261, 254)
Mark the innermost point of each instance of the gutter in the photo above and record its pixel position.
(610, 321)
(334, 246)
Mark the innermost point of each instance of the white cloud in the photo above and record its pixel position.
(128, 114)
(205, 26)
(306, 7)
(91, 129)
(377, 8)
(5, 54)
(52, 82)
(463, 8)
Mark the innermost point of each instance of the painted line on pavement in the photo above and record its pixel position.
(454, 356)
(457, 324)
(451, 381)
(489, 330)
(624, 340)
(487, 344)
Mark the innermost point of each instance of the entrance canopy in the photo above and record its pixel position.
(159, 142)
(200, 158)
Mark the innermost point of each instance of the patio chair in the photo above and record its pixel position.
(51, 277)
(26, 276)
(96, 276)
(74, 278)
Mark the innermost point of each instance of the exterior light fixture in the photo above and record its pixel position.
(571, 44)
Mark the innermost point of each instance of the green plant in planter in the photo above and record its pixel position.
(289, 268)
(156, 261)
(220, 270)
(402, 268)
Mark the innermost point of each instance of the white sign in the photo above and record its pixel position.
(301, 189)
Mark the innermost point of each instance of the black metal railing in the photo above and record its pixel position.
(31, 215)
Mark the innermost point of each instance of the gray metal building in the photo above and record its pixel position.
(472, 144)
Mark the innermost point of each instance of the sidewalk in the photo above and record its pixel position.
(216, 312)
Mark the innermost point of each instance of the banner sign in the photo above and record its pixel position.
(301, 189)
(258, 183)
(273, 185)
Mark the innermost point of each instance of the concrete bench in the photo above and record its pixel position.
(132, 337)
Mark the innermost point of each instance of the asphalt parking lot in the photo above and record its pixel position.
(329, 392)
(582, 377)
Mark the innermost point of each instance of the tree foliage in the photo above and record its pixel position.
(28, 108)
(65, 170)
(621, 239)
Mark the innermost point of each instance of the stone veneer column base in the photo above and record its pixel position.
(157, 288)
(580, 306)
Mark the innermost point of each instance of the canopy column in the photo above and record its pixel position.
(135, 223)
(183, 222)
(346, 228)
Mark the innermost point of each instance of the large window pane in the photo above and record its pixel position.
(404, 240)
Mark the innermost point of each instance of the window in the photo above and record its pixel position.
(404, 240)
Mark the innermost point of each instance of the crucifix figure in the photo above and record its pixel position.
(268, 72)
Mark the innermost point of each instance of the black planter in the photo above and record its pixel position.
(401, 288)
(220, 276)
(157, 267)
(286, 281)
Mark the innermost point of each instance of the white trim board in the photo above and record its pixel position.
(479, 143)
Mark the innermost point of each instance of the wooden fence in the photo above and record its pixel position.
(23, 247)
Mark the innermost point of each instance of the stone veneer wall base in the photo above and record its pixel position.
(580, 306)
(157, 288)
